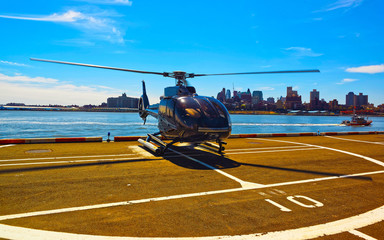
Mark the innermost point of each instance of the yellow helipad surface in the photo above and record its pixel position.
(282, 188)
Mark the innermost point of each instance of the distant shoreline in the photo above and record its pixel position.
(133, 110)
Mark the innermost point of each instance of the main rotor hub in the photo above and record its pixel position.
(180, 76)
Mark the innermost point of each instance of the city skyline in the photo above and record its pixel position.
(290, 88)
(341, 38)
(230, 94)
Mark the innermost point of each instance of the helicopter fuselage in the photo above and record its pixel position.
(192, 118)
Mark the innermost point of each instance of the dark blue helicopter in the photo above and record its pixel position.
(183, 115)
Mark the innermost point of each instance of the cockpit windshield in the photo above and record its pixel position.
(204, 112)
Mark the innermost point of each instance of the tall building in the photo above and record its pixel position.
(228, 94)
(270, 100)
(258, 94)
(314, 95)
(360, 100)
(314, 99)
(291, 93)
(122, 102)
(333, 105)
(221, 95)
(356, 100)
(349, 99)
(293, 100)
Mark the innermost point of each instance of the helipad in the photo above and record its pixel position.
(272, 188)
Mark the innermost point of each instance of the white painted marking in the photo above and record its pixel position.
(353, 140)
(139, 151)
(72, 161)
(105, 205)
(53, 158)
(323, 179)
(332, 149)
(243, 184)
(10, 145)
(282, 208)
(317, 203)
(362, 235)
(330, 228)
(252, 149)
(286, 150)
(280, 191)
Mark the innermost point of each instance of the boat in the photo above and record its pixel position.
(357, 121)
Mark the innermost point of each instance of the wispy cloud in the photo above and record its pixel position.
(13, 63)
(109, 2)
(25, 79)
(41, 90)
(302, 52)
(69, 16)
(96, 25)
(347, 80)
(343, 4)
(367, 69)
(266, 88)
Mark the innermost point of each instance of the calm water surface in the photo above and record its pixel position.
(36, 124)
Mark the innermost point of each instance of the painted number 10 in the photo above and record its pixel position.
(296, 199)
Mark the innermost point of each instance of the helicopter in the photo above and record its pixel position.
(182, 114)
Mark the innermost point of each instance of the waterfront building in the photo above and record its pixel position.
(290, 92)
(314, 100)
(349, 99)
(271, 100)
(221, 96)
(356, 100)
(228, 94)
(360, 100)
(333, 105)
(293, 100)
(122, 102)
(258, 94)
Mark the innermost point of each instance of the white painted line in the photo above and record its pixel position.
(72, 161)
(353, 140)
(53, 158)
(188, 195)
(362, 235)
(244, 184)
(332, 149)
(330, 228)
(266, 148)
(10, 145)
(323, 179)
(282, 208)
(285, 150)
(107, 205)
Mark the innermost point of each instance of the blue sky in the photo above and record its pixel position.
(342, 38)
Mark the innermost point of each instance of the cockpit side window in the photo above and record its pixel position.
(220, 108)
(207, 108)
(170, 108)
(163, 107)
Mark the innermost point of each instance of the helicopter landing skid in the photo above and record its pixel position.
(213, 147)
(155, 144)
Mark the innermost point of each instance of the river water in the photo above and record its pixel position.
(51, 124)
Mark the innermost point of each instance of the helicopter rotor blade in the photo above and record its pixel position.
(268, 72)
(165, 74)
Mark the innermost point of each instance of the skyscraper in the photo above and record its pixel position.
(314, 95)
(258, 94)
(228, 94)
(360, 100)
(314, 99)
(349, 99)
(293, 100)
